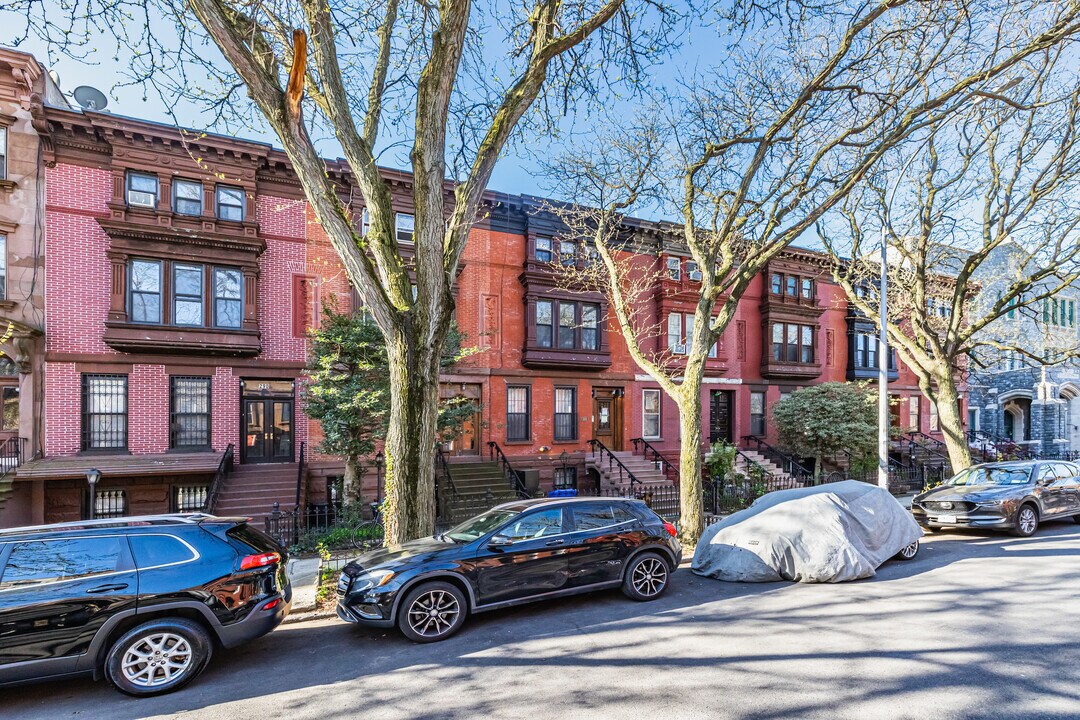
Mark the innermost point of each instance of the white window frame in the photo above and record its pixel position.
(674, 268)
(658, 414)
(410, 231)
(3, 152)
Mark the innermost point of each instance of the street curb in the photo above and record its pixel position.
(308, 617)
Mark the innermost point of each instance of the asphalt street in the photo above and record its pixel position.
(978, 626)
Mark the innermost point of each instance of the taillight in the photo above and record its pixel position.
(671, 529)
(272, 604)
(260, 560)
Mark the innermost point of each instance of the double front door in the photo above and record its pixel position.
(720, 416)
(268, 430)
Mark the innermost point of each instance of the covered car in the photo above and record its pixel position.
(827, 533)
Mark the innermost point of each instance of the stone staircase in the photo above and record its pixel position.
(645, 471)
(742, 465)
(252, 490)
(479, 486)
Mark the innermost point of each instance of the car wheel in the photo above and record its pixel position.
(908, 552)
(1027, 521)
(646, 577)
(158, 657)
(432, 612)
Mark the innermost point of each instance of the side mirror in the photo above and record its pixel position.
(498, 542)
(1045, 482)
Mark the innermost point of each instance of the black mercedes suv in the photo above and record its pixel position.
(141, 600)
(514, 553)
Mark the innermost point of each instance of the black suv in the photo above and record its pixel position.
(140, 600)
(515, 553)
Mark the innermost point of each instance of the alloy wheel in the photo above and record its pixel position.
(909, 551)
(156, 660)
(434, 613)
(649, 576)
(1028, 520)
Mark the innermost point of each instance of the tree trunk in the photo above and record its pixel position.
(352, 483)
(952, 425)
(692, 521)
(409, 508)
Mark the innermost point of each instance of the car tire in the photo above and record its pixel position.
(908, 552)
(158, 657)
(415, 618)
(646, 577)
(1027, 521)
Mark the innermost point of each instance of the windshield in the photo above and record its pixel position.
(992, 476)
(480, 525)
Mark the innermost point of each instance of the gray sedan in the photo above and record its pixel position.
(1013, 496)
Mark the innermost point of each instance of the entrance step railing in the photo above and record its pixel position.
(601, 454)
(650, 453)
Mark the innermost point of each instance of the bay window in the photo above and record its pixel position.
(792, 343)
(680, 330)
(189, 293)
(578, 325)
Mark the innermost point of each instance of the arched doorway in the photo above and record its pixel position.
(1015, 417)
(1070, 415)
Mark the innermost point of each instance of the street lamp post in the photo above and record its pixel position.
(93, 475)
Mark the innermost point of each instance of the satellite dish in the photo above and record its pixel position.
(90, 98)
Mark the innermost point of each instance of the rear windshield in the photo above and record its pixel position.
(255, 539)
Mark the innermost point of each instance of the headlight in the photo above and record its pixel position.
(371, 579)
(991, 502)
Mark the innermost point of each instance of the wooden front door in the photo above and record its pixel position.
(608, 417)
(720, 416)
(268, 431)
(464, 439)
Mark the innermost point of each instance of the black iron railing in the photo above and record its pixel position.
(613, 462)
(783, 460)
(224, 467)
(669, 468)
(12, 454)
(511, 475)
(300, 473)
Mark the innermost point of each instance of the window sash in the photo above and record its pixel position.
(542, 251)
(3, 153)
(674, 268)
(590, 326)
(189, 403)
(567, 252)
(545, 310)
(567, 325)
(188, 295)
(144, 291)
(187, 197)
(650, 414)
(230, 203)
(104, 411)
(757, 413)
(776, 283)
(142, 190)
(565, 413)
(791, 286)
(228, 297)
(404, 227)
(807, 288)
(674, 331)
(517, 412)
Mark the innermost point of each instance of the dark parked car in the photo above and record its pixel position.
(141, 600)
(512, 554)
(1014, 496)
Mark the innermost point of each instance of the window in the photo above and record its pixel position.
(3, 153)
(565, 477)
(32, 563)
(757, 414)
(158, 550)
(190, 499)
(676, 343)
(365, 222)
(650, 414)
(517, 412)
(231, 203)
(934, 425)
(567, 325)
(104, 412)
(776, 284)
(3, 266)
(590, 329)
(593, 516)
(9, 397)
(791, 286)
(807, 288)
(544, 323)
(913, 413)
(535, 525)
(187, 197)
(189, 421)
(565, 413)
(142, 190)
(145, 291)
(973, 419)
(227, 297)
(567, 252)
(938, 306)
(110, 503)
(693, 271)
(674, 268)
(866, 347)
(1059, 312)
(792, 343)
(543, 249)
(187, 294)
(405, 227)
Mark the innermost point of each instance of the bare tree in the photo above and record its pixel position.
(347, 69)
(984, 231)
(752, 154)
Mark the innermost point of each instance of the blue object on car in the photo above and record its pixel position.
(568, 492)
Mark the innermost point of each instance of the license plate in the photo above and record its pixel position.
(946, 519)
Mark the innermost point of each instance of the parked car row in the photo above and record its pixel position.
(144, 601)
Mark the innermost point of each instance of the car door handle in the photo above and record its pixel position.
(106, 588)
(553, 543)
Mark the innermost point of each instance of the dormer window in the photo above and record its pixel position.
(542, 251)
(230, 203)
(187, 197)
(674, 268)
(142, 190)
(405, 227)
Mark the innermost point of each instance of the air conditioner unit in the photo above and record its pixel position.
(142, 199)
(694, 275)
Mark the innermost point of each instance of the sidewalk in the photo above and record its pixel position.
(304, 576)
